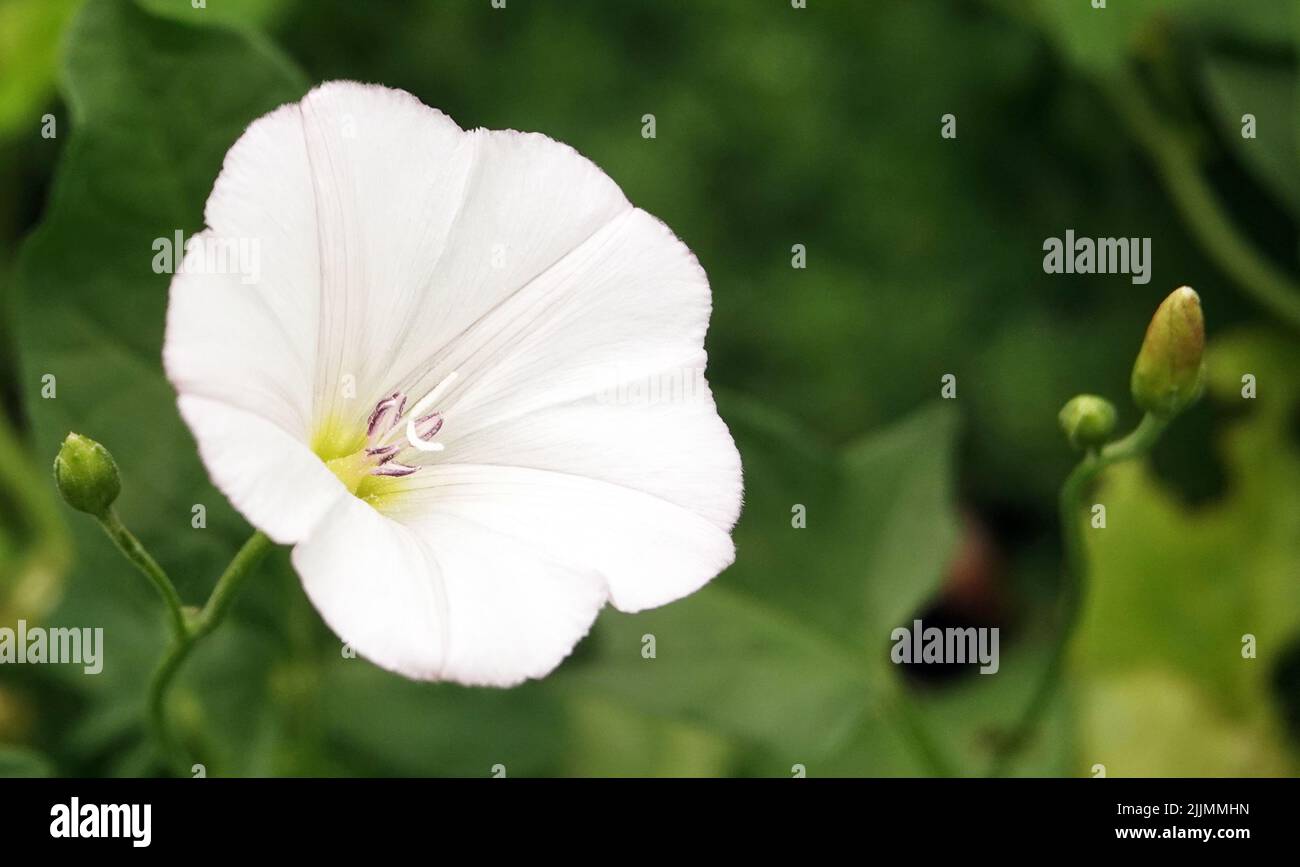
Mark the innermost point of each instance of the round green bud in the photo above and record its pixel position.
(1169, 373)
(86, 475)
(1088, 420)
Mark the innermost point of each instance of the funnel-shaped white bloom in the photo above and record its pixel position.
(462, 386)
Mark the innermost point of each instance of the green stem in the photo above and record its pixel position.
(1176, 163)
(194, 629)
(927, 748)
(1074, 582)
(130, 546)
(158, 687)
(229, 583)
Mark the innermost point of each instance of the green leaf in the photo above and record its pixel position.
(609, 740)
(898, 517)
(377, 722)
(1269, 93)
(1174, 591)
(971, 718)
(23, 762)
(794, 658)
(29, 42)
(34, 559)
(1157, 722)
(154, 107)
(1101, 40)
(247, 14)
(878, 513)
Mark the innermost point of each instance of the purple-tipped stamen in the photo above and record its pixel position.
(428, 426)
(386, 420)
(385, 416)
(393, 469)
(385, 453)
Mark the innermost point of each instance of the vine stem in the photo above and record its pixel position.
(196, 625)
(188, 625)
(131, 548)
(926, 749)
(1074, 582)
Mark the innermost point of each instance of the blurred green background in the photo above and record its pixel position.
(776, 126)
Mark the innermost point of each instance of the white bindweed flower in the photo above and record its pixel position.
(411, 395)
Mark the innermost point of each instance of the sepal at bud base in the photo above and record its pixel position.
(1169, 373)
(86, 475)
(1087, 420)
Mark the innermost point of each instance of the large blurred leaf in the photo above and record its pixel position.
(1102, 40)
(789, 648)
(246, 14)
(1270, 94)
(971, 719)
(20, 762)
(1157, 722)
(879, 520)
(33, 542)
(29, 41)
(154, 105)
(379, 723)
(1175, 589)
(608, 739)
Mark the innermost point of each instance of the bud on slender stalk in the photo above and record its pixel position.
(1088, 420)
(86, 475)
(1169, 372)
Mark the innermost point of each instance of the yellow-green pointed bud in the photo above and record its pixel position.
(86, 475)
(1169, 373)
(1088, 420)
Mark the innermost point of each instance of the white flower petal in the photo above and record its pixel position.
(647, 550)
(376, 586)
(592, 432)
(264, 198)
(241, 354)
(225, 342)
(528, 203)
(448, 600)
(596, 370)
(245, 392)
(364, 174)
(396, 249)
(273, 479)
(388, 176)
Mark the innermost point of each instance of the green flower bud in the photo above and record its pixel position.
(1169, 373)
(1088, 420)
(86, 475)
